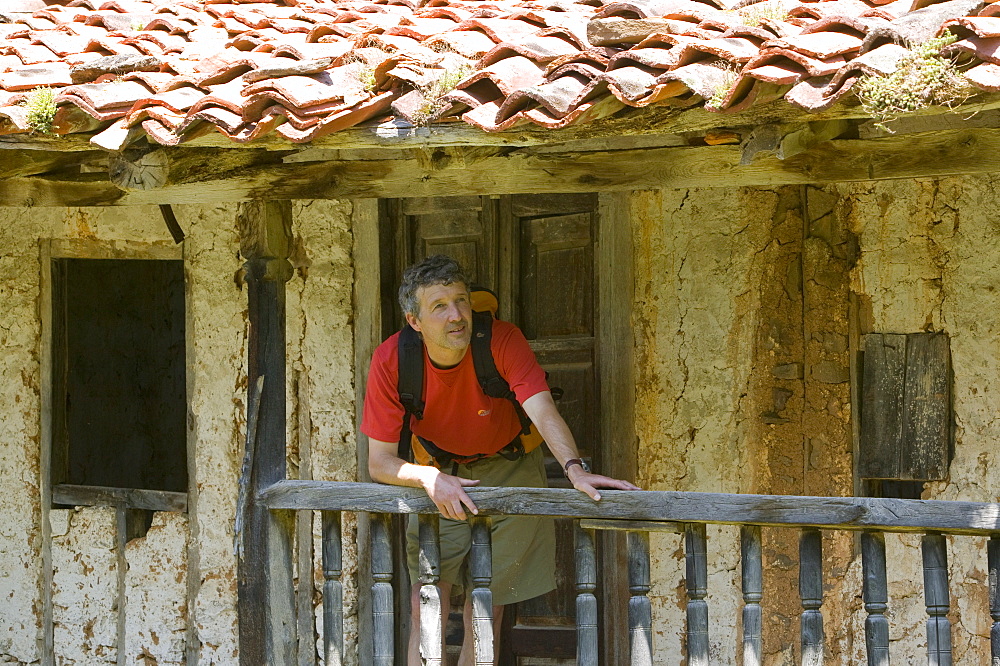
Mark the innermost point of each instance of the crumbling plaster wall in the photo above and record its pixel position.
(929, 251)
(697, 265)
(742, 386)
(195, 614)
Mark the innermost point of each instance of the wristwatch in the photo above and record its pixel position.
(575, 461)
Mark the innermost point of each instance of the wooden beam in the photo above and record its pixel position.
(845, 513)
(128, 498)
(266, 603)
(440, 173)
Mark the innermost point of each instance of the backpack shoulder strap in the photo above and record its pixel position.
(410, 383)
(490, 380)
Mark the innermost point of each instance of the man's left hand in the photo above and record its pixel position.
(588, 483)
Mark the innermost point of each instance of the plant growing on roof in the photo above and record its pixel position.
(40, 104)
(923, 77)
(755, 14)
(730, 74)
(433, 92)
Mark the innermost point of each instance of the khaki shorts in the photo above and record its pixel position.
(524, 547)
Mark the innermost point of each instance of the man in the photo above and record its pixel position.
(462, 420)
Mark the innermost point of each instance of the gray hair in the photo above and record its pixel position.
(436, 269)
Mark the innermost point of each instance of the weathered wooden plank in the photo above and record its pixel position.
(753, 592)
(882, 409)
(926, 418)
(85, 248)
(481, 567)
(631, 525)
(849, 513)
(696, 568)
(640, 612)
(366, 262)
(383, 616)
(133, 498)
(811, 593)
(586, 601)
(431, 638)
(993, 563)
(935, 557)
(875, 591)
(956, 152)
(266, 600)
(333, 590)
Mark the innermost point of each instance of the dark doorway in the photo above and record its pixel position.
(537, 252)
(119, 399)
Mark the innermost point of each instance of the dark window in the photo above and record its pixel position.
(119, 374)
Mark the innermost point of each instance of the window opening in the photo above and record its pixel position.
(119, 399)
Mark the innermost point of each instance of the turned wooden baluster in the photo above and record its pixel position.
(640, 614)
(876, 596)
(333, 590)
(383, 619)
(431, 643)
(993, 561)
(481, 565)
(696, 560)
(811, 593)
(935, 556)
(586, 602)
(753, 592)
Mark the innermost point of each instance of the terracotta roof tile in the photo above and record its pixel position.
(305, 68)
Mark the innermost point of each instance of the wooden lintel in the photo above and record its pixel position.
(443, 172)
(128, 498)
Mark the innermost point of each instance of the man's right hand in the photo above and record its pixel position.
(448, 493)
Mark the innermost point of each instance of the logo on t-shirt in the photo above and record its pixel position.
(484, 412)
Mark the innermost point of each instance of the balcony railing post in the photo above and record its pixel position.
(640, 613)
(481, 565)
(753, 592)
(935, 556)
(811, 592)
(876, 596)
(383, 617)
(431, 643)
(696, 560)
(586, 602)
(333, 590)
(993, 561)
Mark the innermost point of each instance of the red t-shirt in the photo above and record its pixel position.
(458, 416)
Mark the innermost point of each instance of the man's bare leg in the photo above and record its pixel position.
(468, 655)
(413, 651)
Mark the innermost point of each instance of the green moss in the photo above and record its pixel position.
(41, 106)
(923, 77)
(730, 75)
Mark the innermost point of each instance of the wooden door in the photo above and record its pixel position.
(537, 252)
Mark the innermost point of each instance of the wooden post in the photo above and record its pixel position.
(431, 636)
(753, 592)
(640, 614)
(876, 596)
(696, 559)
(383, 617)
(586, 601)
(333, 590)
(993, 562)
(266, 591)
(481, 564)
(935, 556)
(811, 593)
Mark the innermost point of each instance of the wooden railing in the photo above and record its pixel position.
(641, 512)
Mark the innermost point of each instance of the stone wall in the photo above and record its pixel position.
(180, 584)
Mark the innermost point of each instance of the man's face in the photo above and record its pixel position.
(444, 319)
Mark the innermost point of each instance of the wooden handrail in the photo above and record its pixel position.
(842, 513)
